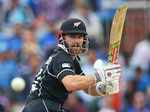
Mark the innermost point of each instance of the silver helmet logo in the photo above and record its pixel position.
(77, 24)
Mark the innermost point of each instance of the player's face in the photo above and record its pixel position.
(74, 43)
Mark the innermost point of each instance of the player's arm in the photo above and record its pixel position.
(78, 82)
(98, 89)
(85, 83)
(107, 80)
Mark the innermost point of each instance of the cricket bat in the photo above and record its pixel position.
(114, 46)
(116, 33)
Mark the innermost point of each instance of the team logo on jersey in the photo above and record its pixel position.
(77, 24)
(66, 65)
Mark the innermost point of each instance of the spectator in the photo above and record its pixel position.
(8, 67)
(2, 109)
(16, 42)
(143, 60)
(74, 104)
(128, 95)
(102, 52)
(83, 11)
(107, 104)
(4, 101)
(53, 9)
(40, 26)
(141, 81)
(105, 12)
(30, 44)
(48, 41)
(147, 98)
(138, 103)
(127, 70)
(13, 12)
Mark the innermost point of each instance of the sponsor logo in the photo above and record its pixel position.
(66, 65)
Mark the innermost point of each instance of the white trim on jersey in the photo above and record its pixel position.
(45, 105)
(49, 72)
(41, 85)
(64, 71)
(63, 47)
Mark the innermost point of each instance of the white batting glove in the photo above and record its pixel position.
(98, 66)
(101, 88)
(107, 75)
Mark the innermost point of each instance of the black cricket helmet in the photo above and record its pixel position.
(73, 26)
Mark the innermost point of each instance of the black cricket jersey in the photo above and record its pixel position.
(47, 83)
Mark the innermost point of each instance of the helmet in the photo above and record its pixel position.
(73, 26)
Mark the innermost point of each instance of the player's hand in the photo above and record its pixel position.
(98, 66)
(101, 88)
(104, 89)
(107, 75)
(107, 88)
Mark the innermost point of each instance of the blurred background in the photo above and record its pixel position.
(28, 36)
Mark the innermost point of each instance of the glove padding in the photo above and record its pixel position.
(101, 88)
(108, 78)
(112, 79)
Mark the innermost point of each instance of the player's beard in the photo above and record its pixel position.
(75, 50)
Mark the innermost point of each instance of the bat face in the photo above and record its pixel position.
(116, 34)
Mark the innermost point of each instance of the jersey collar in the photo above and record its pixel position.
(63, 47)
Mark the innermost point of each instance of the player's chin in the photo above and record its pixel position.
(76, 51)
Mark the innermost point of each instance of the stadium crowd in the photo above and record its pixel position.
(28, 31)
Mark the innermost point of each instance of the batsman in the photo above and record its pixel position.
(61, 74)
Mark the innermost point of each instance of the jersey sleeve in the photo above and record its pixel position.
(62, 66)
